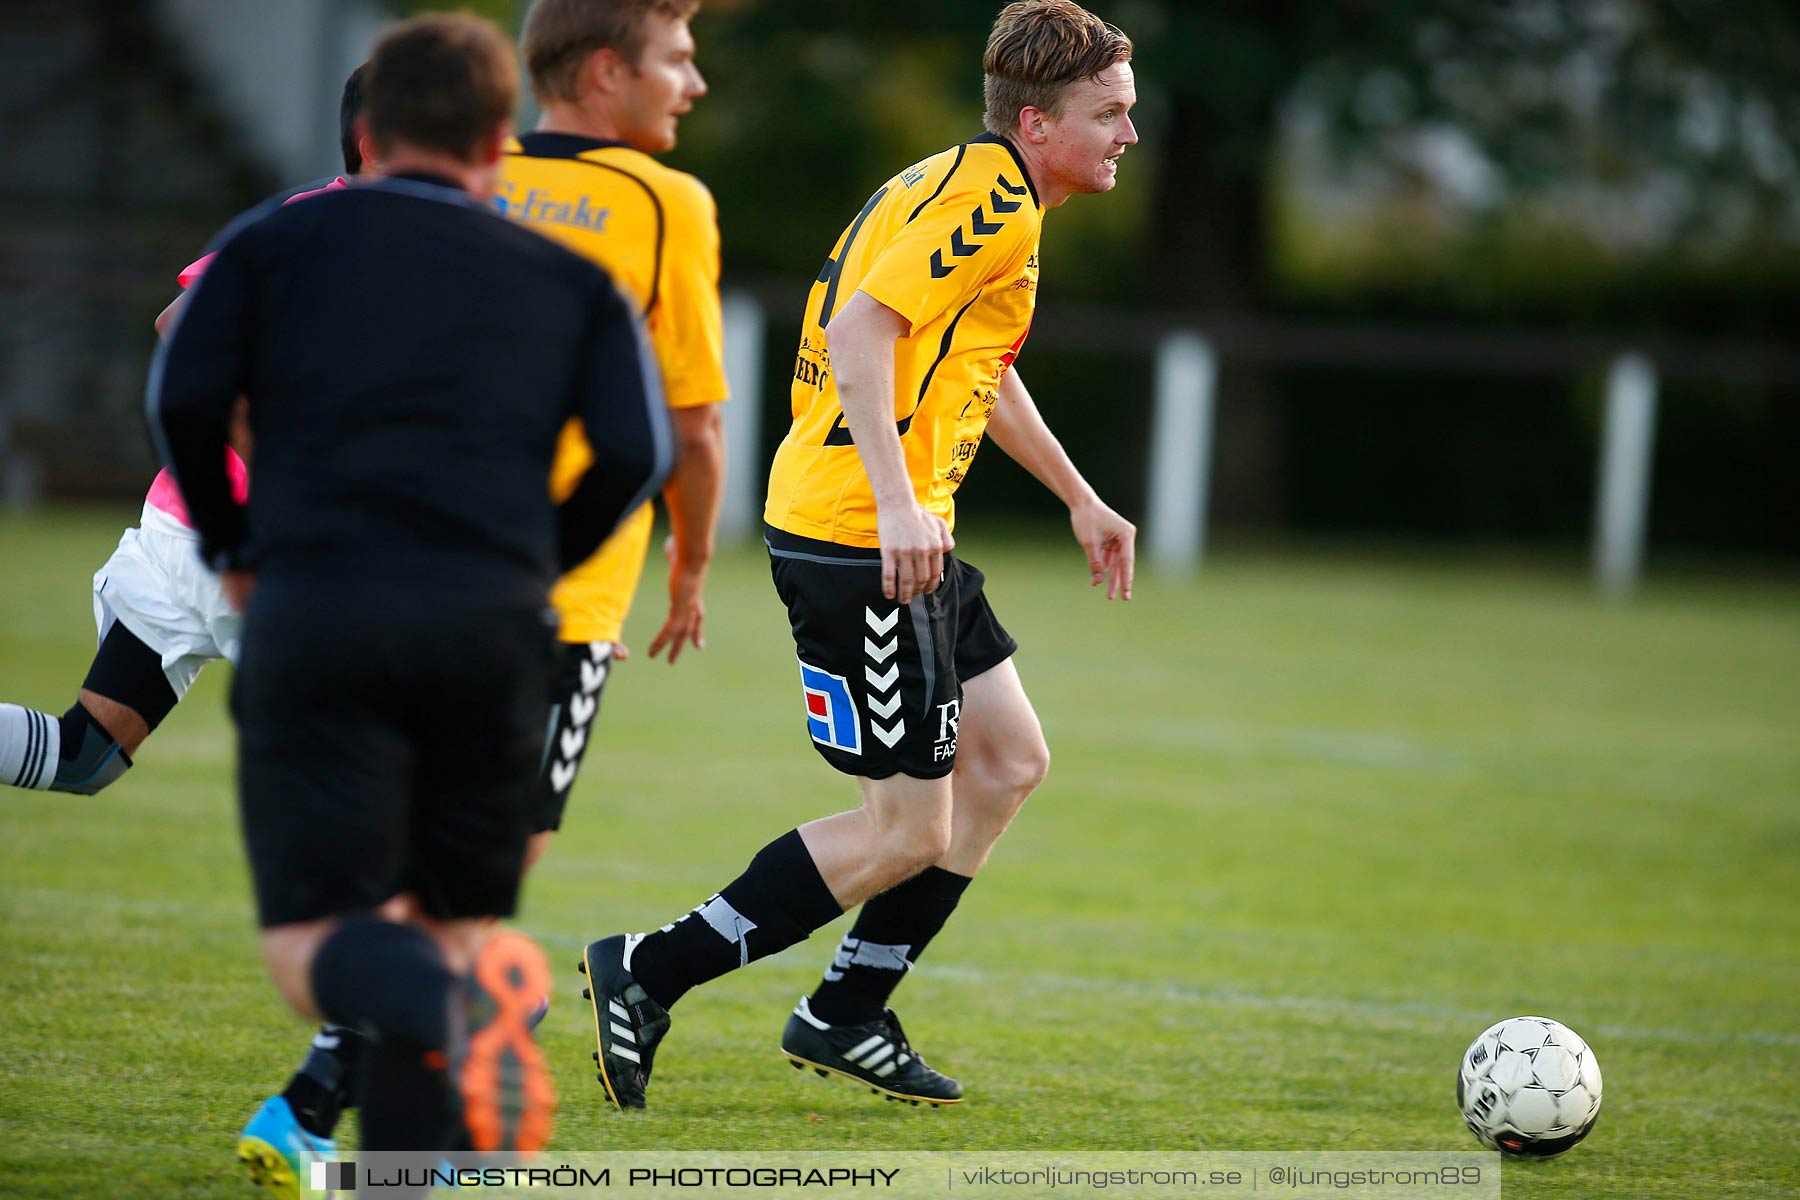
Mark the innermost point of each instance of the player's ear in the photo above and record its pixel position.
(365, 147)
(606, 71)
(371, 150)
(1032, 123)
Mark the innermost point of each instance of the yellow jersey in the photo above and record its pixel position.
(951, 244)
(655, 230)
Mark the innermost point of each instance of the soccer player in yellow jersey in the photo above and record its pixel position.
(905, 364)
(612, 78)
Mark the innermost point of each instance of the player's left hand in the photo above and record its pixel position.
(1111, 544)
(687, 614)
(237, 586)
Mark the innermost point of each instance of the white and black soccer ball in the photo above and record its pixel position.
(1529, 1086)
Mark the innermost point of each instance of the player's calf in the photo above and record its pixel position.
(902, 850)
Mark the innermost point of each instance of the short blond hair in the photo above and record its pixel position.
(443, 81)
(561, 35)
(1037, 49)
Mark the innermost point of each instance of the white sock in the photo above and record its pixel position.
(30, 746)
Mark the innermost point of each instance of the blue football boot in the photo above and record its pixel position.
(278, 1152)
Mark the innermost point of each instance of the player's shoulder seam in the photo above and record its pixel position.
(998, 186)
(680, 191)
(949, 174)
(984, 192)
(634, 173)
(632, 170)
(666, 186)
(1003, 177)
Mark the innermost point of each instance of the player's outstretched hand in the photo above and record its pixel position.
(687, 615)
(913, 545)
(1111, 544)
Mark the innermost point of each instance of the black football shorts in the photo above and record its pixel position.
(881, 681)
(388, 748)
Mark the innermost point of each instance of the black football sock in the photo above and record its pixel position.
(890, 933)
(390, 983)
(407, 1099)
(385, 979)
(327, 1081)
(778, 901)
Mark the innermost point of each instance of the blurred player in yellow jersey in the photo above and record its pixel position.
(612, 78)
(905, 366)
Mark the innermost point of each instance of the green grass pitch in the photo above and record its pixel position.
(1314, 822)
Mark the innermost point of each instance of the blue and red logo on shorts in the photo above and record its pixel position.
(830, 712)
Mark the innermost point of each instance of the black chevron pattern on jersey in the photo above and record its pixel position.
(1002, 206)
(979, 225)
(1009, 188)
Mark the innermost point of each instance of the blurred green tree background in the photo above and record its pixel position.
(1596, 161)
(1619, 168)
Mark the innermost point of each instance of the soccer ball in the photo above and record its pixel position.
(1529, 1085)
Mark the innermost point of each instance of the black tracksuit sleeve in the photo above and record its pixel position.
(618, 399)
(198, 375)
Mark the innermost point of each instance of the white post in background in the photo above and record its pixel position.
(1187, 372)
(740, 509)
(1622, 500)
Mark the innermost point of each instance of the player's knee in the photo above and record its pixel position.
(1004, 780)
(90, 757)
(931, 846)
(1027, 769)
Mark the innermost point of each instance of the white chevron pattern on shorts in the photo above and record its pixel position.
(885, 708)
(583, 704)
(881, 683)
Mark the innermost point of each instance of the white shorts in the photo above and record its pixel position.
(155, 584)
